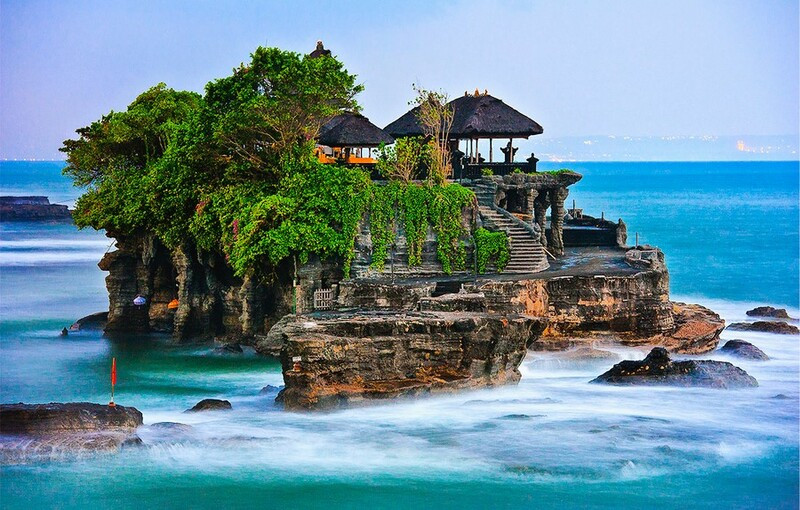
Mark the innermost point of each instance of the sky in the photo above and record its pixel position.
(579, 67)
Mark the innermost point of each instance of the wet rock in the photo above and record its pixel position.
(768, 311)
(47, 431)
(781, 396)
(172, 426)
(59, 417)
(272, 343)
(356, 358)
(210, 404)
(93, 322)
(232, 348)
(266, 390)
(658, 368)
(742, 349)
(777, 327)
(587, 354)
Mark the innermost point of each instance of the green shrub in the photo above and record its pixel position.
(491, 246)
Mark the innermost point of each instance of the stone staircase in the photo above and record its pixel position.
(527, 253)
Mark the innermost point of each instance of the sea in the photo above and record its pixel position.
(730, 234)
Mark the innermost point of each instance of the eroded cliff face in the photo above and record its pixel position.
(212, 301)
(351, 359)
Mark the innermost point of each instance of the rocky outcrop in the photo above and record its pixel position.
(777, 327)
(769, 311)
(36, 431)
(658, 368)
(630, 299)
(193, 294)
(745, 350)
(94, 322)
(353, 359)
(35, 208)
(696, 330)
(210, 404)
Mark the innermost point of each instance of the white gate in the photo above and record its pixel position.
(323, 299)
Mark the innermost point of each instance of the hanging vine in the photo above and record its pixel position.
(491, 246)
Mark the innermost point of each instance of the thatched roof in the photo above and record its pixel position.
(352, 130)
(481, 116)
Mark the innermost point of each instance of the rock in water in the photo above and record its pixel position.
(94, 322)
(210, 404)
(588, 354)
(768, 311)
(231, 348)
(777, 327)
(743, 349)
(658, 368)
(361, 357)
(58, 417)
(40, 431)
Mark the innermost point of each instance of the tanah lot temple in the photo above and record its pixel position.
(387, 327)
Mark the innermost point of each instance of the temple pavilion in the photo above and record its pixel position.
(476, 117)
(349, 138)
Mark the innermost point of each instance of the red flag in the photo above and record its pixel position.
(113, 371)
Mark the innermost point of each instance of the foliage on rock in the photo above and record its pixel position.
(491, 246)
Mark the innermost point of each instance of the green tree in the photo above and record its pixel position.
(270, 107)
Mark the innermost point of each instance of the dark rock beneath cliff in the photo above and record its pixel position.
(742, 349)
(658, 368)
(777, 327)
(94, 322)
(42, 431)
(768, 311)
(210, 404)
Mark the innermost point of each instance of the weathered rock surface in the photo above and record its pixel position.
(777, 327)
(696, 331)
(769, 311)
(94, 322)
(210, 404)
(742, 349)
(353, 359)
(54, 417)
(39, 431)
(658, 368)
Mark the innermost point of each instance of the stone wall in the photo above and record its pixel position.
(397, 260)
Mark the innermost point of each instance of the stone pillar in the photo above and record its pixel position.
(529, 207)
(540, 206)
(622, 234)
(557, 198)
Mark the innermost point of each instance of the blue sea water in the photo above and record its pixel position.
(730, 233)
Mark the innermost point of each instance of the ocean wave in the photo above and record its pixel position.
(56, 257)
(61, 244)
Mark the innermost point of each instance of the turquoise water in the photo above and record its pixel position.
(730, 232)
